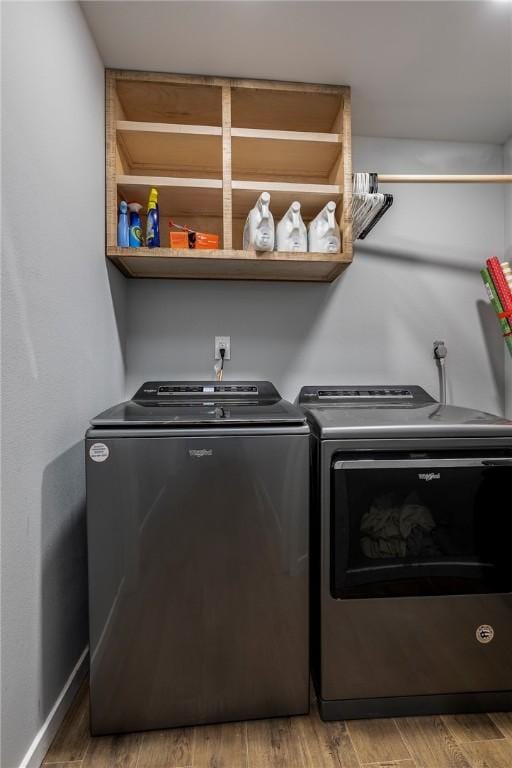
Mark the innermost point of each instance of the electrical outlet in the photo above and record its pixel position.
(223, 342)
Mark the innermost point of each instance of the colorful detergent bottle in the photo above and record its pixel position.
(259, 227)
(135, 233)
(122, 225)
(153, 220)
(291, 230)
(324, 232)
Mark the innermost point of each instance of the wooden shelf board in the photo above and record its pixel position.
(269, 158)
(176, 196)
(134, 75)
(196, 130)
(170, 181)
(228, 264)
(173, 153)
(312, 197)
(259, 133)
(226, 254)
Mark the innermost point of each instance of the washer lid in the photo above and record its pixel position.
(182, 403)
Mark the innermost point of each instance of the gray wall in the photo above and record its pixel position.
(416, 278)
(508, 253)
(62, 348)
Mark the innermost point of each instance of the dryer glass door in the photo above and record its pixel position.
(408, 526)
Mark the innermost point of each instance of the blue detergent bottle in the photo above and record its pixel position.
(122, 225)
(135, 235)
(153, 220)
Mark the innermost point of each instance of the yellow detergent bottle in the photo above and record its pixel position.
(153, 220)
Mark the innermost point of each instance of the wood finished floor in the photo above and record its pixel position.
(461, 741)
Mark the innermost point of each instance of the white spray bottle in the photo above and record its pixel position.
(259, 227)
(291, 230)
(324, 232)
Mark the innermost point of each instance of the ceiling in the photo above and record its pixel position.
(425, 70)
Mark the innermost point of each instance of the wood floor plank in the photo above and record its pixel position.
(431, 743)
(166, 749)
(72, 764)
(220, 746)
(324, 745)
(113, 751)
(377, 741)
(472, 727)
(504, 722)
(393, 764)
(72, 738)
(273, 744)
(489, 754)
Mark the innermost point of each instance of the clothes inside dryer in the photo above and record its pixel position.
(396, 527)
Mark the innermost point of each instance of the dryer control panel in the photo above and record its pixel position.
(357, 393)
(363, 394)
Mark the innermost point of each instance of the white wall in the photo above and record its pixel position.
(415, 279)
(62, 349)
(508, 254)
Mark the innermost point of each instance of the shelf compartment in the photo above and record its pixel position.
(312, 197)
(177, 197)
(157, 99)
(261, 155)
(299, 107)
(170, 149)
(228, 264)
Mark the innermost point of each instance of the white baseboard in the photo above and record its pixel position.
(44, 737)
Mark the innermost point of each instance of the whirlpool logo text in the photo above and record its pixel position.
(199, 454)
(428, 476)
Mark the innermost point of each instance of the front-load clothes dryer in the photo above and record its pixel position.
(411, 552)
(197, 517)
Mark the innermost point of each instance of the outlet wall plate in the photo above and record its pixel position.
(222, 342)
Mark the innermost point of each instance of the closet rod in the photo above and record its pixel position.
(453, 178)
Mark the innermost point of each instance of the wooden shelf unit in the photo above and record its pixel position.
(211, 146)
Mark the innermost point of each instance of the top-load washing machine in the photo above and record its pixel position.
(197, 515)
(411, 553)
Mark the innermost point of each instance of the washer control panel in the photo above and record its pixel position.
(180, 392)
(208, 389)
